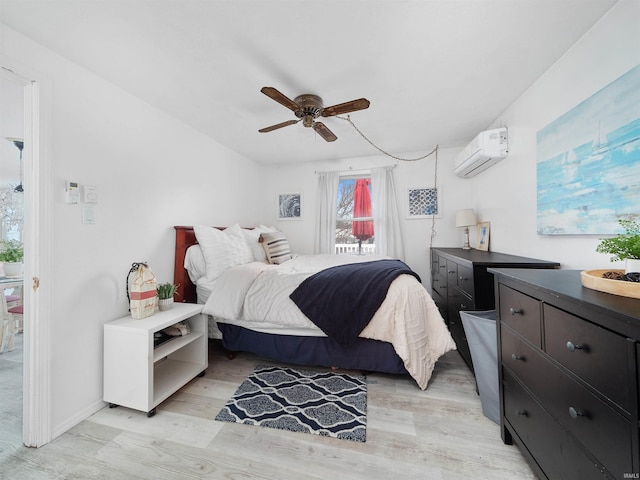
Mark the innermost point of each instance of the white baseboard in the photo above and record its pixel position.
(79, 417)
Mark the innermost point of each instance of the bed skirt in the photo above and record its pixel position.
(364, 354)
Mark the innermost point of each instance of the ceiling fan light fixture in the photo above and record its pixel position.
(308, 108)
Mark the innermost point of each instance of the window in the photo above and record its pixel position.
(354, 220)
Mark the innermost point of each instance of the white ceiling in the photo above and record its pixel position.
(435, 71)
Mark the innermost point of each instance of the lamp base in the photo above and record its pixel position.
(466, 245)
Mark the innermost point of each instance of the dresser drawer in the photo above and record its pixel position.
(459, 336)
(441, 303)
(594, 354)
(460, 301)
(523, 361)
(465, 280)
(442, 266)
(452, 272)
(522, 313)
(439, 284)
(603, 431)
(558, 454)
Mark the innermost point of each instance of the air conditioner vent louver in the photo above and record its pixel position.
(485, 150)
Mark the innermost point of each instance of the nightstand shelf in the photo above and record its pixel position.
(173, 345)
(139, 376)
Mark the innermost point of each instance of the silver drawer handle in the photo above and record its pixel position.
(573, 347)
(573, 413)
(517, 357)
(516, 311)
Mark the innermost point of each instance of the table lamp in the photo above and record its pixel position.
(466, 218)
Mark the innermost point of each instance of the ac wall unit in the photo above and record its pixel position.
(486, 149)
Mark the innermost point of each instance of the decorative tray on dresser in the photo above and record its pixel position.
(568, 360)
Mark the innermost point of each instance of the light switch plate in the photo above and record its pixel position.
(88, 215)
(89, 194)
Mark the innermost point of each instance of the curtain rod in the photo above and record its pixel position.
(351, 169)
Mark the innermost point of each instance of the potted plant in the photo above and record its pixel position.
(165, 292)
(624, 246)
(11, 256)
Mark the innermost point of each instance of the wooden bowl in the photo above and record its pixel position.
(594, 280)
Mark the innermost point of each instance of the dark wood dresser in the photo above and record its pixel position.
(569, 374)
(460, 281)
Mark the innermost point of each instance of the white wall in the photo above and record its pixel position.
(505, 194)
(417, 232)
(152, 172)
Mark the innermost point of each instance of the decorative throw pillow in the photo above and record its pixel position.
(222, 249)
(252, 237)
(276, 247)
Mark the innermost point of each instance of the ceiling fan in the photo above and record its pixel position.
(308, 107)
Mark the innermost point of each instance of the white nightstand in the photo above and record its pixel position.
(138, 374)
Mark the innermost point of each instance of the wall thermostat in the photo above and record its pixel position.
(72, 194)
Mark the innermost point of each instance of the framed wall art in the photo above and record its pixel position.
(289, 206)
(588, 163)
(423, 202)
(484, 229)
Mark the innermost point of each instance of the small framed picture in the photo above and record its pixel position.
(423, 202)
(484, 229)
(289, 206)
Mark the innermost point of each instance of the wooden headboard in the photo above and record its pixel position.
(185, 237)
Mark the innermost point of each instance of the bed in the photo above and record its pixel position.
(249, 303)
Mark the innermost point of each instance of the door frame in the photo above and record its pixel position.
(36, 411)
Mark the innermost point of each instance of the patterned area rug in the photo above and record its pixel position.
(324, 403)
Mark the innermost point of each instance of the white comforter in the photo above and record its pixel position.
(256, 296)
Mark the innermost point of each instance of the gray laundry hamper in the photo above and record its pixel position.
(480, 330)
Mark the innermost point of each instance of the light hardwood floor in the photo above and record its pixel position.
(437, 434)
(10, 401)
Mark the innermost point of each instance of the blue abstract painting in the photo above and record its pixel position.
(588, 163)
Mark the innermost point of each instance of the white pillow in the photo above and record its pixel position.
(252, 238)
(194, 263)
(222, 249)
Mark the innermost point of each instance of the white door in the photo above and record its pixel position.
(36, 233)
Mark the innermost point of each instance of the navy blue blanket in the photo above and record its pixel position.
(342, 300)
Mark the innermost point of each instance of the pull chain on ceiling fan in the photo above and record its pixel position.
(308, 107)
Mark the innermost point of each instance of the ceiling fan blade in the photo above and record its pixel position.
(322, 130)
(345, 107)
(279, 125)
(280, 98)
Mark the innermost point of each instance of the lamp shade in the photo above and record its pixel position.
(465, 218)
